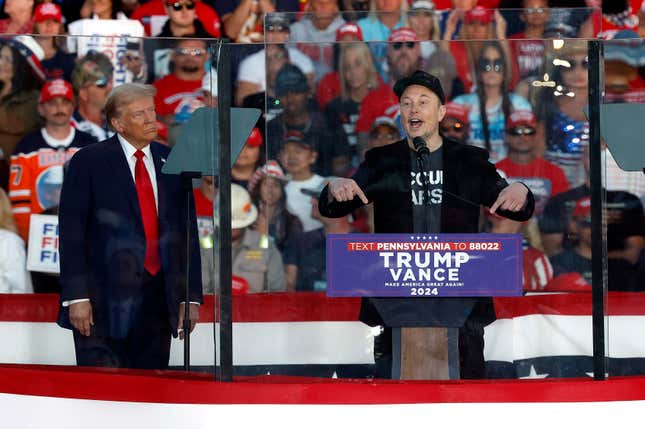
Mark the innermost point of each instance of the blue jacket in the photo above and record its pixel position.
(102, 240)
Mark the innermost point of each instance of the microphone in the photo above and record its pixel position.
(420, 146)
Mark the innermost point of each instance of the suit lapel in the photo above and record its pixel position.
(123, 175)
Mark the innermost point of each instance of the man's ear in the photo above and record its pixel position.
(442, 112)
(116, 124)
(314, 157)
(40, 110)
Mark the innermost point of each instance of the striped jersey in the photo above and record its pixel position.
(37, 173)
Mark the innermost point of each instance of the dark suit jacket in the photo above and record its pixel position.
(102, 240)
(469, 181)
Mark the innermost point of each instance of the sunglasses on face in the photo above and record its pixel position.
(491, 65)
(521, 131)
(195, 52)
(583, 64)
(456, 127)
(533, 10)
(398, 45)
(276, 28)
(177, 6)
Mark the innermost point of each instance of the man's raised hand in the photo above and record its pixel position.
(342, 189)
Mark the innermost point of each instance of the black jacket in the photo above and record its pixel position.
(469, 181)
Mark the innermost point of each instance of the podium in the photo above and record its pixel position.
(425, 334)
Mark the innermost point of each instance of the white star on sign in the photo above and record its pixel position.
(534, 374)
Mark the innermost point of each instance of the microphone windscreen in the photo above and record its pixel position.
(420, 145)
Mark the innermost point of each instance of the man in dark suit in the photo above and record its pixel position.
(122, 243)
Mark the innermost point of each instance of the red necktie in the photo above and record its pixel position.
(146, 196)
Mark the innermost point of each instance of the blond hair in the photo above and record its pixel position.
(366, 56)
(6, 213)
(123, 95)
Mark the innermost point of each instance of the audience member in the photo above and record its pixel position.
(403, 58)
(298, 156)
(306, 260)
(455, 123)
(152, 15)
(20, 20)
(48, 24)
(92, 82)
(617, 15)
(526, 46)
(624, 59)
(182, 20)
(14, 277)
(102, 9)
(179, 93)
(251, 76)
(329, 85)
(204, 196)
(491, 103)
(256, 259)
(250, 158)
(238, 14)
(277, 56)
(385, 16)
(20, 79)
(384, 131)
(560, 111)
(209, 88)
(542, 177)
(578, 258)
(329, 142)
(267, 190)
(37, 162)
(316, 31)
(537, 271)
(358, 77)
(423, 21)
(479, 24)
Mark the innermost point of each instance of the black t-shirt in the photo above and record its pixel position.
(60, 66)
(571, 261)
(308, 252)
(343, 112)
(427, 216)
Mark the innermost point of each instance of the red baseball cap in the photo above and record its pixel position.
(349, 29)
(479, 14)
(47, 11)
(457, 111)
(255, 138)
(403, 35)
(583, 208)
(56, 88)
(521, 117)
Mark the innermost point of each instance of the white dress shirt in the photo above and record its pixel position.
(129, 152)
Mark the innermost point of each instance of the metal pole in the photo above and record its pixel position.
(225, 256)
(598, 245)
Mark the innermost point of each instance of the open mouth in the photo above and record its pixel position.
(415, 123)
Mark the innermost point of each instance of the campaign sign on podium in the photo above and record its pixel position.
(424, 265)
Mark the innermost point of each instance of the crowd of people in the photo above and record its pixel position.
(322, 73)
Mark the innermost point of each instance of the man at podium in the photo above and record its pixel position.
(427, 183)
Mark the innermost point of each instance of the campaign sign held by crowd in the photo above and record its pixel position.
(42, 252)
(424, 265)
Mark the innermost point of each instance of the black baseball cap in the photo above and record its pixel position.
(422, 78)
